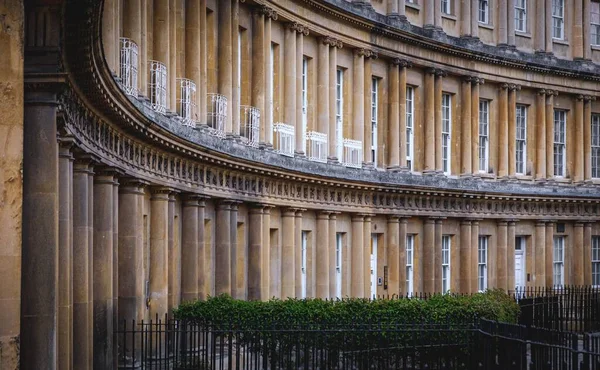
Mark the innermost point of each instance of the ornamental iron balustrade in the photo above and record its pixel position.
(284, 139)
(157, 87)
(129, 66)
(316, 143)
(186, 102)
(216, 114)
(249, 125)
(352, 153)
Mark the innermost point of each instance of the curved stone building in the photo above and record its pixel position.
(174, 149)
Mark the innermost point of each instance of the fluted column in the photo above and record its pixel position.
(475, 123)
(466, 164)
(298, 252)
(357, 283)
(550, 225)
(510, 256)
(579, 150)
(223, 248)
(437, 256)
(577, 30)
(290, 91)
(474, 260)
(403, 226)
(203, 288)
(465, 18)
(332, 247)
(159, 251)
(550, 133)
(394, 119)
(541, 136)
(503, 131)
(358, 97)
(511, 22)
(258, 68)
(503, 21)
(438, 122)
(82, 296)
(587, 137)
(393, 254)
(366, 266)
(587, 253)
(428, 261)
(540, 26)
(540, 254)
(189, 248)
(323, 81)
(578, 254)
(322, 248)
(225, 51)
(429, 118)
(300, 129)
(288, 253)
(501, 256)
(587, 13)
(255, 252)
(103, 268)
(512, 129)
(549, 25)
(465, 256)
(474, 18)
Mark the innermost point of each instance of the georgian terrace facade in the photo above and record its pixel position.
(298, 148)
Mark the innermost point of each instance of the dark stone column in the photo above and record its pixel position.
(189, 249)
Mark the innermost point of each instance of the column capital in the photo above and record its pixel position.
(440, 73)
(289, 212)
(332, 215)
(297, 27)
(358, 217)
(266, 11)
(502, 223)
(541, 92)
(192, 199)
(579, 97)
(540, 223)
(579, 223)
(589, 98)
(132, 182)
(106, 171)
(65, 143)
(465, 221)
(403, 63)
(331, 41)
(160, 192)
(551, 92)
(504, 86)
(550, 222)
(323, 215)
(514, 87)
(477, 81)
(393, 219)
(367, 53)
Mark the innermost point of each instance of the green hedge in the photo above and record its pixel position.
(316, 313)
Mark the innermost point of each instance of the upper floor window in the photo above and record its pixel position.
(595, 23)
(446, 6)
(559, 260)
(521, 15)
(521, 139)
(484, 135)
(596, 260)
(410, 116)
(558, 19)
(446, 132)
(560, 142)
(484, 11)
(596, 145)
(374, 118)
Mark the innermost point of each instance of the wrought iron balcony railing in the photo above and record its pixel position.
(157, 86)
(284, 139)
(249, 125)
(352, 153)
(186, 102)
(316, 144)
(216, 114)
(129, 66)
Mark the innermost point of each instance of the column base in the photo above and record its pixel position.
(429, 172)
(466, 175)
(394, 168)
(265, 146)
(299, 154)
(503, 178)
(368, 166)
(333, 160)
(540, 180)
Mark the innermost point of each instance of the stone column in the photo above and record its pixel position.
(91, 190)
(475, 123)
(203, 288)
(438, 121)
(511, 22)
(541, 136)
(266, 130)
(103, 268)
(255, 252)
(587, 12)
(587, 253)
(404, 65)
(577, 30)
(173, 71)
(587, 137)
(323, 81)
(289, 63)
(437, 13)
(266, 255)
(236, 65)
(428, 261)
(437, 257)
(578, 162)
(82, 296)
(512, 129)
(466, 168)
(189, 248)
(394, 119)
(367, 111)
(110, 18)
(358, 97)
(539, 277)
(132, 28)
(357, 239)
(503, 20)
(288, 254)
(503, 138)
(510, 253)
(430, 5)
(465, 256)
(332, 136)
(540, 26)
(223, 248)
(203, 77)
(501, 256)
(392, 8)
(298, 252)
(159, 252)
(578, 254)
(300, 128)
(238, 289)
(192, 51)
(393, 254)
(474, 18)
(402, 256)
(225, 80)
(366, 266)
(550, 252)
(474, 260)
(172, 263)
(161, 40)
(332, 256)
(65, 252)
(548, 22)
(429, 118)
(465, 18)
(322, 249)
(550, 133)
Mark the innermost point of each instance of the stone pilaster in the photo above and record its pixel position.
(300, 131)
(474, 18)
(503, 131)
(223, 248)
(549, 256)
(255, 252)
(367, 247)
(393, 254)
(466, 144)
(465, 257)
(587, 137)
(474, 260)
(402, 256)
(357, 250)
(358, 97)
(541, 136)
(429, 118)
(512, 128)
(577, 30)
(548, 24)
(394, 119)
(503, 21)
(437, 257)
(550, 133)
(322, 249)
(465, 18)
(289, 63)
(540, 26)
(578, 162)
(238, 257)
(288, 254)
(511, 22)
(161, 41)
(173, 257)
(587, 253)
(577, 255)
(428, 261)
(475, 123)
(587, 12)
(323, 81)
(333, 138)
(501, 256)
(298, 252)
(266, 255)
(540, 255)
(203, 262)
(332, 257)
(430, 6)
(159, 252)
(189, 248)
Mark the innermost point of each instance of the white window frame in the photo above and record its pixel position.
(560, 142)
(482, 259)
(595, 23)
(446, 250)
(304, 101)
(410, 259)
(483, 13)
(303, 264)
(595, 153)
(558, 261)
(558, 19)
(521, 15)
(338, 265)
(339, 113)
(521, 139)
(484, 135)
(446, 133)
(446, 6)
(410, 117)
(595, 260)
(374, 118)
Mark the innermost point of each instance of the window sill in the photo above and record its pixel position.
(485, 175)
(521, 177)
(523, 34)
(560, 41)
(486, 26)
(450, 17)
(595, 47)
(561, 179)
(414, 6)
